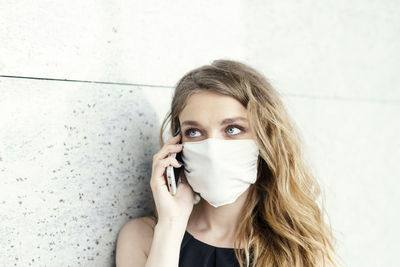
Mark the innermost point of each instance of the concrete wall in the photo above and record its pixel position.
(84, 86)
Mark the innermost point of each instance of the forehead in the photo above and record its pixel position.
(208, 107)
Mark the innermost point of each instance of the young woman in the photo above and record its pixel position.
(242, 157)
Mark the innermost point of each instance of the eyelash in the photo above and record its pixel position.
(229, 126)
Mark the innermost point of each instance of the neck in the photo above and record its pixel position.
(222, 220)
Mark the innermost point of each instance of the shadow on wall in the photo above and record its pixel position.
(75, 165)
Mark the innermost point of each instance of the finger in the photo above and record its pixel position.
(173, 139)
(170, 141)
(161, 166)
(166, 151)
(170, 161)
(159, 169)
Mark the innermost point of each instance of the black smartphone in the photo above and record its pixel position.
(174, 174)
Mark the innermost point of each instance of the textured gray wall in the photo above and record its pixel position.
(75, 155)
(75, 164)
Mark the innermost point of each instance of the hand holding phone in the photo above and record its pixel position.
(174, 174)
(170, 207)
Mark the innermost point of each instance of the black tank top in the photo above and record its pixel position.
(195, 253)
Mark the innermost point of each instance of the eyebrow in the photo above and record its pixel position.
(225, 121)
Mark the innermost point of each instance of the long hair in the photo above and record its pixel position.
(283, 221)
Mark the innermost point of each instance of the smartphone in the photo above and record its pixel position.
(174, 174)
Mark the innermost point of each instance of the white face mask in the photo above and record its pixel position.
(220, 170)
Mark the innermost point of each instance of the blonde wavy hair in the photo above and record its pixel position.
(283, 223)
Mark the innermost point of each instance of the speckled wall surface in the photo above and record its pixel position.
(75, 161)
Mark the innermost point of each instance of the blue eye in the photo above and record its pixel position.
(187, 132)
(233, 127)
(228, 130)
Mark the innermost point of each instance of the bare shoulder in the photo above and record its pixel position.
(134, 241)
(143, 224)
